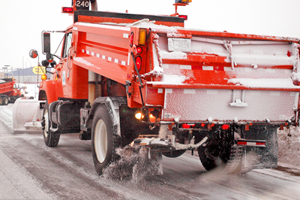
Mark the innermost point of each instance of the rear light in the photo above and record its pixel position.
(131, 39)
(139, 50)
(202, 125)
(185, 17)
(185, 126)
(138, 61)
(188, 125)
(152, 118)
(142, 38)
(247, 127)
(225, 126)
(67, 10)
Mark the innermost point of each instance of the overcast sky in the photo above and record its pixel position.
(22, 21)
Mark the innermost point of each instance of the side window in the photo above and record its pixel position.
(67, 44)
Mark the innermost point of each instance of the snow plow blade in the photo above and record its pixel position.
(27, 115)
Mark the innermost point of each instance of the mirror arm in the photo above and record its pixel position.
(57, 56)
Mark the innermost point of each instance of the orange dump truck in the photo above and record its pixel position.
(142, 80)
(8, 94)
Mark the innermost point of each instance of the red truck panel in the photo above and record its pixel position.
(103, 51)
(6, 87)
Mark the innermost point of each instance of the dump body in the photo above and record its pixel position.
(6, 86)
(226, 77)
(191, 75)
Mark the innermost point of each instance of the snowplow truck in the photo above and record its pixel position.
(146, 81)
(8, 93)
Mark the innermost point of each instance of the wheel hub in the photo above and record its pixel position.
(100, 141)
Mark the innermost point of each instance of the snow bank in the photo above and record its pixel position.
(289, 146)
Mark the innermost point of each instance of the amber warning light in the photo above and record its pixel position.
(67, 10)
(183, 1)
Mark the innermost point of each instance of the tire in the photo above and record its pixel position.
(208, 160)
(104, 140)
(173, 154)
(5, 100)
(51, 138)
(12, 99)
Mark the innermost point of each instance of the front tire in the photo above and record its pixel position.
(104, 140)
(51, 138)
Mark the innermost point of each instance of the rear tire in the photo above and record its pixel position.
(104, 140)
(51, 138)
(208, 160)
(173, 154)
(5, 100)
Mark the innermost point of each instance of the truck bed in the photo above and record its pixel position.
(6, 85)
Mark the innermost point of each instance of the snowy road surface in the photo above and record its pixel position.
(30, 170)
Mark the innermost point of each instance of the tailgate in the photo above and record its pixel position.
(224, 76)
(237, 105)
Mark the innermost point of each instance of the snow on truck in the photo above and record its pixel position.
(146, 81)
(8, 92)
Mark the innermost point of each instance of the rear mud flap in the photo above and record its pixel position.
(263, 157)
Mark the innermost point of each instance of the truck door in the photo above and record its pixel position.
(74, 78)
(67, 64)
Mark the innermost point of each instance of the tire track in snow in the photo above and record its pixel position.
(53, 171)
(6, 119)
(19, 181)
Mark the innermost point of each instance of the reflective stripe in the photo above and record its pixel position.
(104, 57)
(251, 143)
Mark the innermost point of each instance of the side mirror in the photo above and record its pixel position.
(33, 53)
(49, 57)
(46, 42)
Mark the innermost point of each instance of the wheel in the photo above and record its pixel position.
(51, 138)
(104, 140)
(173, 154)
(209, 158)
(3, 100)
(12, 99)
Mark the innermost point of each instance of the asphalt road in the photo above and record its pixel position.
(30, 170)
